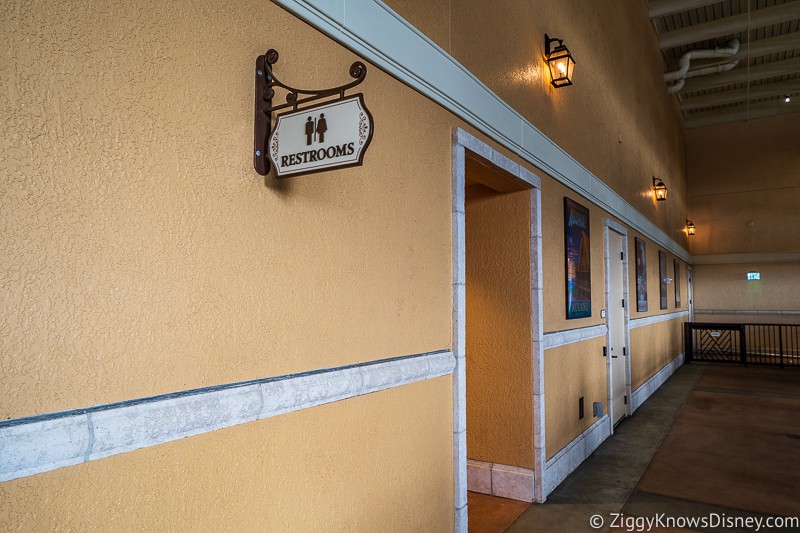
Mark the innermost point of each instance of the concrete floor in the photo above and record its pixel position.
(715, 441)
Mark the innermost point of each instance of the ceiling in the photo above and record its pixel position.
(767, 61)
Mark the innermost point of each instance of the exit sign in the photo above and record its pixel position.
(753, 275)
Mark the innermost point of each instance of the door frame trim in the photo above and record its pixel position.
(609, 226)
(463, 141)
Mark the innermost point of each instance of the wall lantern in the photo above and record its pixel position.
(690, 229)
(660, 189)
(560, 61)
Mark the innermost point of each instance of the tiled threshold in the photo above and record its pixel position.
(490, 514)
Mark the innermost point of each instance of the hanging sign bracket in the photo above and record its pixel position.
(310, 138)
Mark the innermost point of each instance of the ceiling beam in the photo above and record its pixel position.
(662, 8)
(741, 95)
(728, 25)
(740, 75)
(742, 114)
(763, 47)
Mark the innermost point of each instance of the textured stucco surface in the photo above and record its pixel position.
(140, 253)
(652, 347)
(381, 462)
(653, 281)
(745, 186)
(744, 198)
(498, 348)
(617, 119)
(725, 287)
(553, 262)
(570, 372)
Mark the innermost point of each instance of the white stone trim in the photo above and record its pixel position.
(463, 141)
(619, 228)
(459, 335)
(554, 339)
(573, 454)
(734, 259)
(655, 319)
(500, 480)
(745, 312)
(640, 395)
(497, 159)
(39, 444)
(371, 29)
(537, 351)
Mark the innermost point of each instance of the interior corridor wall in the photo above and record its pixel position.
(657, 333)
(140, 254)
(745, 211)
(578, 369)
(498, 349)
(635, 133)
(381, 462)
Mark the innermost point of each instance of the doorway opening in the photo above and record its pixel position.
(497, 285)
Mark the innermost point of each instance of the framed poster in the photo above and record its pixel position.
(641, 275)
(677, 275)
(578, 265)
(662, 278)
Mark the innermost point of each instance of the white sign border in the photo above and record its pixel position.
(360, 98)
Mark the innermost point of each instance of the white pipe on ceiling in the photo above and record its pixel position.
(679, 76)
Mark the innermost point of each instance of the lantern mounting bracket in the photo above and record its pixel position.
(548, 40)
(266, 81)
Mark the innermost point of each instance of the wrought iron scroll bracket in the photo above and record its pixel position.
(266, 81)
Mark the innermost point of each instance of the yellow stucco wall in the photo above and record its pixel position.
(655, 345)
(498, 350)
(570, 372)
(652, 347)
(635, 134)
(141, 253)
(553, 260)
(381, 462)
(741, 203)
(653, 280)
(725, 287)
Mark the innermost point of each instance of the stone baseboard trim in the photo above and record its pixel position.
(640, 395)
(499, 480)
(573, 454)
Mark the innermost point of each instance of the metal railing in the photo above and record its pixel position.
(749, 344)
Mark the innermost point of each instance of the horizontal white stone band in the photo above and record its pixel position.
(374, 31)
(38, 444)
(744, 312)
(655, 319)
(555, 339)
